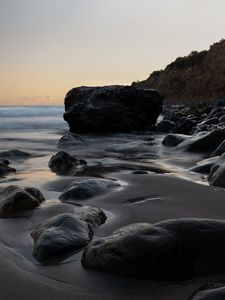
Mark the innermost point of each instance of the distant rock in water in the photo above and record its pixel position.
(15, 199)
(63, 163)
(5, 168)
(172, 250)
(111, 109)
(198, 76)
(14, 153)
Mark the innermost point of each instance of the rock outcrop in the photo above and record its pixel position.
(111, 109)
(198, 76)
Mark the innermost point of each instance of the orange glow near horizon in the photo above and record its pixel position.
(51, 46)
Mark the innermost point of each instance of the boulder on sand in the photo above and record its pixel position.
(60, 236)
(15, 199)
(172, 250)
(113, 108)
(217, 172)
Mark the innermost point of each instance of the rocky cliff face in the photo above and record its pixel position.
(198, 76)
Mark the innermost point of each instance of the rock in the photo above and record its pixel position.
(59, 237)
(219, 150)
(172, 250)
(166, 126)
(111, 109)
(70, 140)
(14, 153)
(172, 140)
(217, 172)
(203, 142)
(204, 166)
(222, 119)
(91, 215)
(15, 199)
(5, 168)
(140, 172)
(80, 190)
(210, 121)
(185, 125)
(65, 164)
(211, 291)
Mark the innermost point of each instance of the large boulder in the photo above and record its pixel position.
(166, 126)
(173, 140)
(84, 189)
(60, 236)
(172, 250)
(15, 199)
(204, 166)
(219, 150)
(113, 108)
(203, 142)
(63, 163)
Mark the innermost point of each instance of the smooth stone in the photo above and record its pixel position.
(185, 125)
(173, 140)
(172, 250)
(166, 126)
(14, 153)
(211, 291)
(114, 108)
(70, 140)
(65, 164)
(15, 199)
(81, 190)
(59, 237)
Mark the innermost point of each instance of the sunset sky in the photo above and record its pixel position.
(50, 46)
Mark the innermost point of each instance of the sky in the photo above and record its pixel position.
(50, 46)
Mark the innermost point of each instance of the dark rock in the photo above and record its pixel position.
(211, 291)
(222, 119)
(14, 153)
(204, 166)
(185, 125)
(203, 142)
(140, 172)
(111, 109)
(15, 199)
(217, 172)
(92, 215)
(80, 190)
(5, 168)
(172, 250)
(166, 126)
(59, 237)
(70, 140)
(210, 121)
(65, 164)
(219, 150)
(172, 140)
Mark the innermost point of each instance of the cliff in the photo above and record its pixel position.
(198, 76)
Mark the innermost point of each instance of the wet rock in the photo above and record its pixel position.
(91, 215)
(140, 172)
(222, 119)
(59, 237)
(203, 142)
(172, 140)
(5, 168)
(15, 199)
(217, 172)
(65, 164)
(219, 150)
(166, 126)
(172, 250)
(204, 166)
(211, 291)
(210, 121)
(14, 153)
(185, 125)
(70, 140)
(81, 190)
(111, 109)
